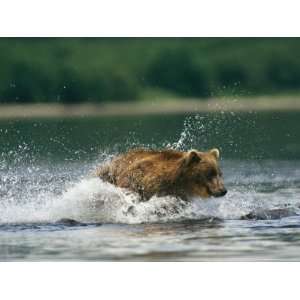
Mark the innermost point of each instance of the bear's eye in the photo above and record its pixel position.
(211, 174)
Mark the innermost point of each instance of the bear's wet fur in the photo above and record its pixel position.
(166, 172)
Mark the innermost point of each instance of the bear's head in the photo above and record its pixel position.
(201, 174)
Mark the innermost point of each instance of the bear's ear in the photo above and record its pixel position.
(192, 157)
(215, 152)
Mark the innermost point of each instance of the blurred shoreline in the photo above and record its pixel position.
(176, 106)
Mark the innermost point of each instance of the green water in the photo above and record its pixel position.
(239, 135)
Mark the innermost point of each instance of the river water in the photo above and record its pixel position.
(45, 178)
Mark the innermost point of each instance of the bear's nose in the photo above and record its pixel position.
(224, 192)
(220, 193)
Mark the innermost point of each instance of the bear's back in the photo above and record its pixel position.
(161, 155)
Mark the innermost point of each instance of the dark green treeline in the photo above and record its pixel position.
(72, 70)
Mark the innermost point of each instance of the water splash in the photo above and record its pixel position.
(193, 128)
(205, 131)
(92, 200)
(31, 192)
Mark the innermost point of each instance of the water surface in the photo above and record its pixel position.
(45, 176)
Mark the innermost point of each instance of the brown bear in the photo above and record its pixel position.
(166, 172)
